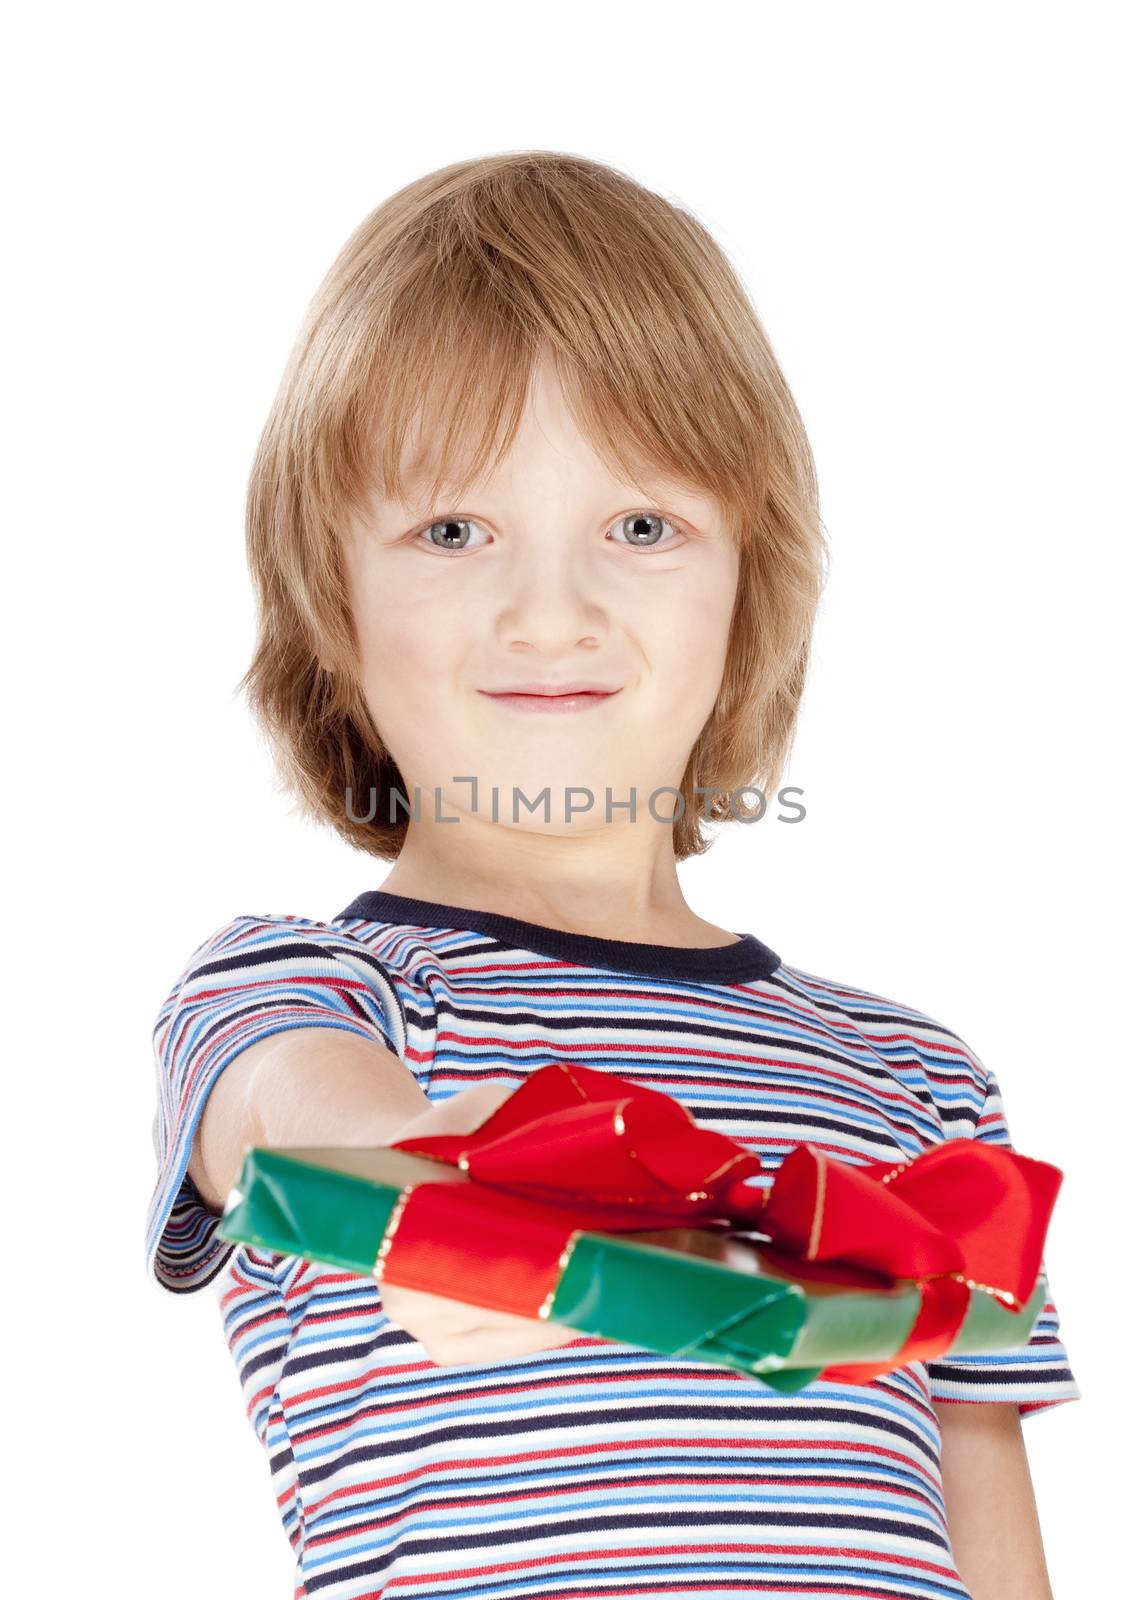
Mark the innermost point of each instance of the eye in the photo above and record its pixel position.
(642, 530)
(450, 533)
(646, 530)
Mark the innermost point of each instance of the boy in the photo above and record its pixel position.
(534, 514)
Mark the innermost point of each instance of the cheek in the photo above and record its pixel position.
(390, 617)
(690, 637)
(402, 672)
(388, 640)
(413, 649)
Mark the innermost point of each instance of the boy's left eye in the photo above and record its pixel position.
(646, 529)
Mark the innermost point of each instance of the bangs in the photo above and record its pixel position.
(642, 320)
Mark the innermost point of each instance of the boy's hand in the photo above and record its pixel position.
(453, 1332)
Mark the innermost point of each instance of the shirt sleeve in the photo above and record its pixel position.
(1038, 1375)
(252, 977)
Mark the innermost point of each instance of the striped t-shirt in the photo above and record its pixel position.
(595, 1468)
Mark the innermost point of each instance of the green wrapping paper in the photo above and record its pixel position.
(696, 1294)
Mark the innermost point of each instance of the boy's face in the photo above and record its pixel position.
(545, 572)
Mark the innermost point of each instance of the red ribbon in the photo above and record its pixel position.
(575, 1148)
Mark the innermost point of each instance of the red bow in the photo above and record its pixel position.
(575, 1148)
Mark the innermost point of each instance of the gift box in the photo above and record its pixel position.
(601, 1205)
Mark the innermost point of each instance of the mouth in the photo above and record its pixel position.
(547, 701)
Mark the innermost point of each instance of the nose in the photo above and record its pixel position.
(552, 600)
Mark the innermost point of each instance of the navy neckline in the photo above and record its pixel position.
(748, 959)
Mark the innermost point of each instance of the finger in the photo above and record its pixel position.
(455, 1316)
(461, 1113)
(484, 1098)
(485, 1345)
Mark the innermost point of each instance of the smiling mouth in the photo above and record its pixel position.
(576, 700)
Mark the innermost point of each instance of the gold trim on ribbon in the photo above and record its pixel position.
(563, 1065)
(985, 1288)
(731, 1161)
(565, 1257)
(620, 1128)
(819, 1205)
(391, 1228)
(1004, 1295)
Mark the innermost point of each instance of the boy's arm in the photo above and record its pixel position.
(989, 1500)
(301, 1086)
(314, 1086)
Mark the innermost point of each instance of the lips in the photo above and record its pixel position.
(552, 691)
(552, 702)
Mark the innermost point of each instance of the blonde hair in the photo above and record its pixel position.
(438, 307)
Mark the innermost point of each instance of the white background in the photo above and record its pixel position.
(933, 208)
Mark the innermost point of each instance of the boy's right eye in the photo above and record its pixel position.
(449, 533)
